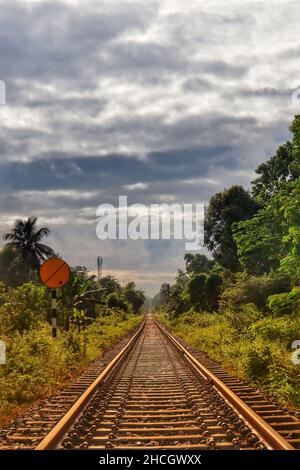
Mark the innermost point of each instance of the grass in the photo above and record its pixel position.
(254, 347)
(37, 365)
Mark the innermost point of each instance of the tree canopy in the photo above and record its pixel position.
(26, 238)
(232, 205)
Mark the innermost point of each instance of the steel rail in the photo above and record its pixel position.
(53, 437)
(270, 435)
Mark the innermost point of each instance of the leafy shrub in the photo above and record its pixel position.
(253, 290)
(202, 291)
(286, 303)
(23, 308)
(248, 344)
(134, 296)
(283, 330)
(117, 301)
(255, 360)
(37, 365)
(242, 319)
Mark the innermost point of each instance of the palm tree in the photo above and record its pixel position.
(25, 238)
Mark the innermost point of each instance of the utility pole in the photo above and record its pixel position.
(99, 265)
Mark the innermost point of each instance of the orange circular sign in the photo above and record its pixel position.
(54, 273)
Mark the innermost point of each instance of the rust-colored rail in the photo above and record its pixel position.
(51, 439)
(158, 393)
(272, 437)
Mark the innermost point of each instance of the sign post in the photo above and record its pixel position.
(2, 353)
(54, 273)
(53, 313)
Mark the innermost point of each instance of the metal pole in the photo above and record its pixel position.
(53, 313)
(99, 264)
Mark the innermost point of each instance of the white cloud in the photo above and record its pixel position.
(132, 187)
(139, 77)
(72, 194)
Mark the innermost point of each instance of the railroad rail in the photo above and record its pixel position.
(26, 430)
(156, 394)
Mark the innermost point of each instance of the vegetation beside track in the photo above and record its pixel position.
(243, 306)
(92, 315)
(253, 348)
(37, 365)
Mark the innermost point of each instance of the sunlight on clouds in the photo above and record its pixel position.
(169, 101)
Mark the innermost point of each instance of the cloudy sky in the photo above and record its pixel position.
(162, 101)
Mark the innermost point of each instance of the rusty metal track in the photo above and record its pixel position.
(31, 426)
(156, 395)
(269, 434)
(280, 418)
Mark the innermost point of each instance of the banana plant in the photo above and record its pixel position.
(74, 294)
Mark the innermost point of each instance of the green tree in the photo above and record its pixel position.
(197, 263)
(165, 291)
(14, 271)
(253, 290)
(195, 291)
(117, 300)
(282, 168)
(295, 165)
(25, 237)
(259, 239)
(271, 239)
(202, 291)
(214, 284)
(134, 296)
(273, 173)
(175, 303)
(23, 308)
(109, 284)
(291, 204)
(285, 303)
(225, 208)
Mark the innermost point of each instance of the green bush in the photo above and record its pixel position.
(37, 364)
(255, 360)
(202, 291)
(248, 344)
(283, 330)
(242, 319)
(253, 290)
(23, 308)
(285, 303)
(118, 301)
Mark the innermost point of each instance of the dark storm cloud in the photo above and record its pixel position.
(90, 105)
(196, 85)
(164, 101)
(57, 40)
(96, 172)
(223, 69)
(57, 170)
(264, 92)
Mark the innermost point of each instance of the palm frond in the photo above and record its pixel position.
(25, 237)
(40, 233)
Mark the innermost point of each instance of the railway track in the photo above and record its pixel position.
(156, 393)
(30, 427)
